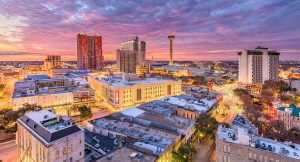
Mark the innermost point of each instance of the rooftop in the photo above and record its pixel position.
(292, 109)
(36, 76)
(143, 131)
(119, 82)
(191, 103)
(102, 144)
(127, 154)
(245, 136)
(47, 125)
(153, 125)
(240, 121)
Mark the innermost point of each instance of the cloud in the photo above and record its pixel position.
(10, 53)
(11, 27)
(203, 29)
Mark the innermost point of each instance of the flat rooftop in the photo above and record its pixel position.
(102, 144)
(282, 148)
(127, 154)
(191, 103)
(243, 134)
(119, 82)
(47, 125)
(144, 133)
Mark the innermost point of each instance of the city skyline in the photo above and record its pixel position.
(204, 30)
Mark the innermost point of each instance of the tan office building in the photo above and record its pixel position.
(126, 93)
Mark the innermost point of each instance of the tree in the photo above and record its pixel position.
(288, 99)
(9, 117)
(85, 112)
(185, 153)
(267, 97)
(71, 110)
(244, 96)
(277, 86)
(240, 91)
(205, 126)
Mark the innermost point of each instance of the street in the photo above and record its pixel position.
(228, 99)
(8, 151)
(204, 150)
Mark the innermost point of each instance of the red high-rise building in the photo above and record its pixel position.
(89, 52)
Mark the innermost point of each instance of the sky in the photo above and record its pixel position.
(204, 29)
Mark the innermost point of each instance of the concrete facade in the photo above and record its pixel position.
(34, 146)
(257, 66)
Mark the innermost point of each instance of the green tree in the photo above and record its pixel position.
(9, 117)
(185, 153)
(85, 112)
(205, 126)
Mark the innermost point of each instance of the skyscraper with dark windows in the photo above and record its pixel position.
(89, 52)
(131, 54)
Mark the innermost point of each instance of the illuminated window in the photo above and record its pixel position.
(64, 150)
(56, 154)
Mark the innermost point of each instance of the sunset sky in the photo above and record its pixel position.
(204, 29)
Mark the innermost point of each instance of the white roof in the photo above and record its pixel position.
(192, 103)
(134, 112)
(38, 116)
(114, 81)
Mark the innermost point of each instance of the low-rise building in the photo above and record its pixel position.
(51, 92)
(58, 72)
(128, 92)
(141, 70)
(241, 143)
(290, 116)
(45, 136)
(295, 74)
(153, 130)
(175, 70)
(205, 94)
(296, 84)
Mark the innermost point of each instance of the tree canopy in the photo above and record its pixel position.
(85, 112)
(9, 117)
(185, 153)
(206, 126)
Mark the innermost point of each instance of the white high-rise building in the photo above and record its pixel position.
(45, 136)
(258, 65)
